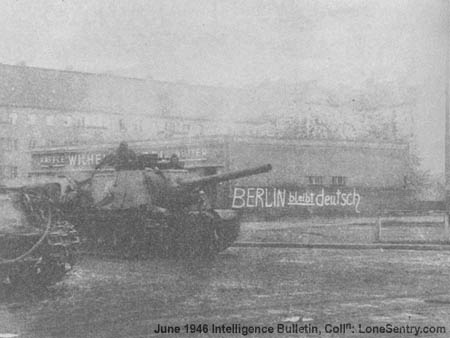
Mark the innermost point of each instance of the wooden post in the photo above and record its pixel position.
(446, 228)
(378, 230)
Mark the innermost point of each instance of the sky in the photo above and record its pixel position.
(242, 43)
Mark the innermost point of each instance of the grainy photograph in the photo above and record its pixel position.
(224, 168)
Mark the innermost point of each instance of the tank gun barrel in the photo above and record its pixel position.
(214, 179)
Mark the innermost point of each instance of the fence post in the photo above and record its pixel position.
(446, 228)
(378, 230)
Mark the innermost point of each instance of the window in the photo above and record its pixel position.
(339, 180)
(9, 144)
(8, 171)
(8, 118)
(95, 121)
(32, 119)
(68, 121)
(138, 125)
(32, 144)
(50, 120)
(315, 180)
(13, 118)
(78, 122)
(122, 126)
(13, 172)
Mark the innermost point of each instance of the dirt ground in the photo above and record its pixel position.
(242, 286)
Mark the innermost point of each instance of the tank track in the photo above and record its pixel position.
(203, 235)
(135, 234)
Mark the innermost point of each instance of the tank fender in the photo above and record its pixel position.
(226, 214)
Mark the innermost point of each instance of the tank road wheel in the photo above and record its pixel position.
(210, 235)
(125, 235)
(226, 227)
(134, 238)
(167, 242)
(160, 239)
(187, 236)
(196, 236)
(213, 234)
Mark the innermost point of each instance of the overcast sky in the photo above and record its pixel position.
(243, 42)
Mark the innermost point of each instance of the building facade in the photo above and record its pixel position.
(47, 108)
(65, 122)
(374, 176)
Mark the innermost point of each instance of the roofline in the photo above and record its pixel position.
(321, 142)
(102, 74)
(116, 112)
(221, 139)
(141, 79)
(73, 72)
(61, 109)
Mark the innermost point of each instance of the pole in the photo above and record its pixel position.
(447, 126)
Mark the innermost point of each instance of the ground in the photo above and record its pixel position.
(106, 297)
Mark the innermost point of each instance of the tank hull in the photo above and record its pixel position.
(143, 212)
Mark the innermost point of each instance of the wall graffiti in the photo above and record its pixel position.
(257, 197)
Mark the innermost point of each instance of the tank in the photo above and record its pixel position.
(37, 247)
(150, 211)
